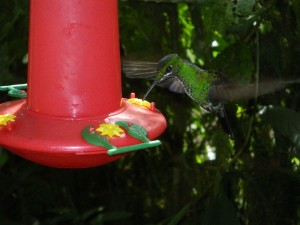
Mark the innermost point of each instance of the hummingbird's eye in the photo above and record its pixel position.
(169, 69)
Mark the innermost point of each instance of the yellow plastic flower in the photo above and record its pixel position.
(4, 119)
(140, 102)
(110, 130)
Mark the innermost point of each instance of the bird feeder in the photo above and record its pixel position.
(74, 115)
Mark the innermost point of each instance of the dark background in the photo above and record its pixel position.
(254, 180)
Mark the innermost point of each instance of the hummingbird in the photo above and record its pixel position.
(209, 89)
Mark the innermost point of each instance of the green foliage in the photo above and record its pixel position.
(285, 122)
(13, 40)
(222, 207)
(197, 176)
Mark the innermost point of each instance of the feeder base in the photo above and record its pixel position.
(57, 142)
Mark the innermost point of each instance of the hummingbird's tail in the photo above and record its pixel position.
(223, 118)
(219, 110)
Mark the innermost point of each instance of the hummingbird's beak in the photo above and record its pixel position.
(152, 86)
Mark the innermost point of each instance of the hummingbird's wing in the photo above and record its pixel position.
(173, 85)
(148, 70)
(231, 91)
(139, 69)
(221, 89)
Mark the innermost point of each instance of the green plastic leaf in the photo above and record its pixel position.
(15, 90)
(284, 121)
(131, 148)
(137, 131)
(16, 93)
(95, 138)
(16, 86)
(134, 130)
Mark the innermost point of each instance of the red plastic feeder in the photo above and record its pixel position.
(74, 87)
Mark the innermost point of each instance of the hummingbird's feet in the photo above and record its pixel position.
(217, 109)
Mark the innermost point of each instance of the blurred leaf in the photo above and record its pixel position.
(220, 211)
(244, 7)
(179, 216)
(236, 62)
(284, 121)
(114, 216)
(3, 157)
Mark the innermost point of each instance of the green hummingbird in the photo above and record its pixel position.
(207, 88)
